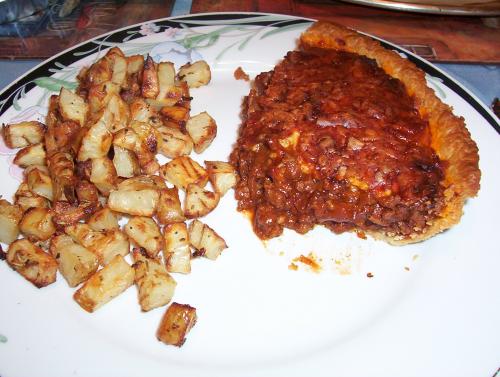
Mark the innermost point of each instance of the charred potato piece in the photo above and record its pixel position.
(166, 78)
(32, 263)
(205, 240)
(76, 263)
(31, 155)
(126, 163)
(105, 284)
(176, 323)
(222, 176)
(202, 129)
(62, 172)
(150, 85)
(134, 202)
(72, 107)
(175, 113)
(195, 74)
(87, 192)
(155, 285)
(37, 224)
(66, 213)
(22, 134)
(169, 207)
(145, 233)
(27, 199)
(182, 171)
(10, 216)
(39, 182)
(173, 143)
(97, 140)
(103, 220)
(199, 202)
(177, 251)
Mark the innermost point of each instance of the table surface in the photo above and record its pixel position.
(483, 80)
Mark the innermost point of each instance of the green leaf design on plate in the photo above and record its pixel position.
(3, 339)
(53, 84)
(283, 28)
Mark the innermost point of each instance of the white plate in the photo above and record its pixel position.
(431, 309)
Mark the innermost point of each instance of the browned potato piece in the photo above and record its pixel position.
(205, 240)
(105, 284)
(97, 140)
(103, 175)
(76, 263)
(176, 323)
(166, 78)
(145, 233)
(119, 68)
(147, 134)
(150, 84)
(173, 143)
(62, 172)
(177, 252)
(22, 134)
(175, 113)
(105, 245)
(31, 155)
(195, 74)
(135, 63)
(10, 216)
(120, 111)
(72, 107)
(134, 202)
(104, 219)
(199, 202)
(143, 182)
(169, 207)
(126, 163)
(156, 287)
(37, 224)
(182, 171)
(27, 199)
(222, 175)
(100, 95)
(66, 213)
(127, 138)
(39, 181)
(87, 192)
(202, 129)
(140, 110)
(32, 263)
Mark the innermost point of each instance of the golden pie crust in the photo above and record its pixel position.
(450, 139)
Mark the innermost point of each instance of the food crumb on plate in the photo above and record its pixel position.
(240, 74)
(369, 275)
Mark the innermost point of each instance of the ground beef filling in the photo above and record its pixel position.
(329, 138)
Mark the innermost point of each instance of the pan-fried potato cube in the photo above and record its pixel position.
(37, 224)
(205, 240)
(169, 207)
(72, 106)
(105, 285)
(134, 202)
(142, 182)
(103, 175)
(27, 199)
(31, 155)
(176, 323)
(173, 143)
(202, 129)
(39, 181)
(32, 263)
(182, 171)
(140, 110)
(62, 172)
(150, 85)
(177, 251)
(100, 95)
(10, 216)
(166, 78)
(104, 219)
(87, 192)
(66, 213)
(22, 134)
(175, 113)
(119, 68)
(76, 263)
(222, 175)
(147, 134)
(145, 233)
(127, 138)
(120, 111)
(134, 64)
(195, 74)
(151, 168)
(126, 163)
(97, 140)
(199, 202)
(156, 287)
